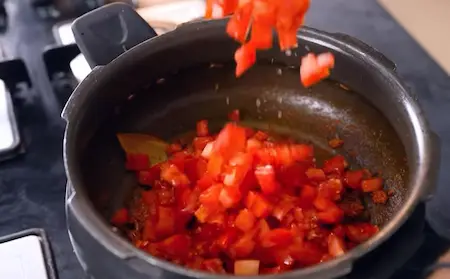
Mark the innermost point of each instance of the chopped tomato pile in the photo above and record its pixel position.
(240, 202)
(257, 19)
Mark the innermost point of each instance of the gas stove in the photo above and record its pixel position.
(39, 69)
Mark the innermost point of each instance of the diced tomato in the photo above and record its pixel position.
(277, 237)
(186, 199)
(253, 145)
(200, 143)
(171, 174)
(372, 185)
(307, 196)
(316, 174)
(266, 179)
(323, 204)
(226, 239)
(330, 216)
(245, 58)
(208, 150)
(337, 164)
(202, 128)
(148, 177)
(331, 189)
(287, 38)
(137, 162)
(176, 246)
(190, 169)
(237, 196)
(313, 69)
(264, 12)
(148, 233)
(240, 165)
(335, 143)
(230, 196)
(261, 36)
(203, 213)
(231, 139)
(258, 205)
(242, 248)
(336, 246)
(166, 222)
(293, 175)
(215, 165)
(235, 115)
(210, 197)
(282, 209)
(249, 183)
(261, 136)
(213, 265)
(239, 24)
(174, 148)
(339, 230)
(246, 267)
(205, 182)
(307, 253)
(120, 217)
(353, 178)
(360, 232)
(245, 220)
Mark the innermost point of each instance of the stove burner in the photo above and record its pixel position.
(13, 77)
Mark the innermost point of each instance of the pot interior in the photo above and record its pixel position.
(269, 97)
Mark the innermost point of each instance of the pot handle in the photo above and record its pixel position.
(381, 58)
(107, 32)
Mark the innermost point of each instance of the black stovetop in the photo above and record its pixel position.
(32, 185)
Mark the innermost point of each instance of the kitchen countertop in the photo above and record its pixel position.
(32, 185)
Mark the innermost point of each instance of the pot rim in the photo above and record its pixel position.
(96, 226)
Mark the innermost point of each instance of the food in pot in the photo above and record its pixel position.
(257, 19)
(243, 202)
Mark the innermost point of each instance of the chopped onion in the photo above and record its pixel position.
(246, 267)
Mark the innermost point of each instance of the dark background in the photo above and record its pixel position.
(32, 185)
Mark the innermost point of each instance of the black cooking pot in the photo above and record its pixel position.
(162, 85)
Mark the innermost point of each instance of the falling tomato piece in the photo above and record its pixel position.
(315, 68)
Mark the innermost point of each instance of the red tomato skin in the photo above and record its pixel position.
(148, 177)
(266, 179)
(176, 246)
(258, 205)
(307, 196)
(230, 196)
(331, 189)
(165, 225)
(172, 174)
(317, 175)
(239, 23)
(337, 165)
(360, 232)
(245, 58)
(277, 238)
(372, 185)
(245, 220)
(210, 197)
(353, 179)
(231, 139)
(336, 245)
(261, 36)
